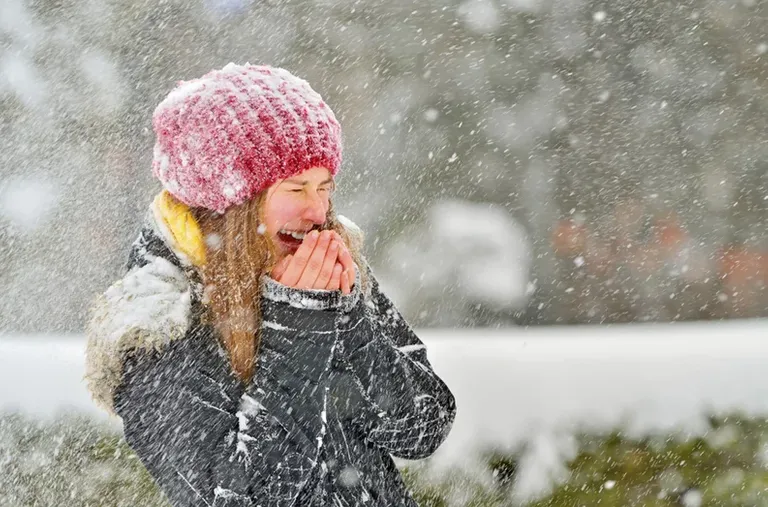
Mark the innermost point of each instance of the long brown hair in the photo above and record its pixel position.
(238, 254)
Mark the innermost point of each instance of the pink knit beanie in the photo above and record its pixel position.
(230, 134)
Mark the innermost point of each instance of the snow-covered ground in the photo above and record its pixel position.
(510, 384)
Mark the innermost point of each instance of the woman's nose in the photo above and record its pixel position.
(315, 209)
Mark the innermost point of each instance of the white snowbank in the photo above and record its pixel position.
(509, 384)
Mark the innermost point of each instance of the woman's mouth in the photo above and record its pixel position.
(291, 239)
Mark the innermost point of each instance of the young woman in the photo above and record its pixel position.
(248, 350)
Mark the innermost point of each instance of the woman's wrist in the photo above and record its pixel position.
(310, 299)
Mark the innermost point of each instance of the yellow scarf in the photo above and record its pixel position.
(185, 231)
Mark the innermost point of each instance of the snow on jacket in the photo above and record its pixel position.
(342, 383)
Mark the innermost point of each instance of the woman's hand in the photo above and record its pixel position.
(321, 262)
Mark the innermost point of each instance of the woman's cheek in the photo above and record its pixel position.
(292, 211)
(289, 214)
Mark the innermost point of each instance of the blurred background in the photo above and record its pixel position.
(515, 164)
(511, 161)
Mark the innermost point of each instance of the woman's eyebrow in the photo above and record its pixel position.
(305, 182)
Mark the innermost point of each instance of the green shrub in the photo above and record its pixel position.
(727, 466)
(74, 462)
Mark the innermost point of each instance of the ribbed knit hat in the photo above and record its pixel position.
(230, 134)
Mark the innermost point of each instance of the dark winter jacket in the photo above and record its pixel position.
(341, 383)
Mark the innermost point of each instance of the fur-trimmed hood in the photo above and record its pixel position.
(146, 309)
(150, 306)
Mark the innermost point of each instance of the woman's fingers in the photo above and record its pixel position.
(326, 271)
(322, 261)
(315, 261)
(352, 274)
(345, 258)
(296, 267)
(335, 281)
(345, 287)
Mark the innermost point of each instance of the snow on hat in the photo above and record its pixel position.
(230, 134)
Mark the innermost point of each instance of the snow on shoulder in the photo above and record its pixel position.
(146, 309)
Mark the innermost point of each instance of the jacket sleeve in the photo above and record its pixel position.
(407, 409)
(205, 448)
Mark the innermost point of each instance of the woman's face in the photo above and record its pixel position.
(295, 206)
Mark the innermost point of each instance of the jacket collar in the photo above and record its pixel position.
(173, 221)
